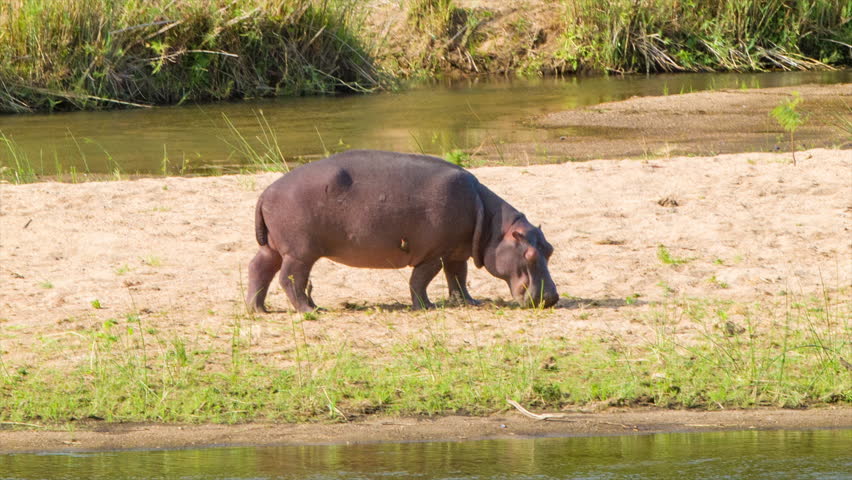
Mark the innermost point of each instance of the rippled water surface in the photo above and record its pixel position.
(817, 455)
(433, 118)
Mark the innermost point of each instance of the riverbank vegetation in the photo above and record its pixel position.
(626, 36)
(87, 54)
(674, 35)
(785, 353)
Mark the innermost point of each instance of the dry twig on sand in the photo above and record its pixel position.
(562, 417)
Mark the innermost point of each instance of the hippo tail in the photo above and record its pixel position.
(478, 231)
(261, 232)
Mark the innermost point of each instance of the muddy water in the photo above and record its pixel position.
(820, 455)
(435, 118)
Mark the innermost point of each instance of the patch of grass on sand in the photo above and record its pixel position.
(736, 355)
(666, 257)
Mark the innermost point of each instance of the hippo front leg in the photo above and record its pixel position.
(456, 272)
(420, 278)
(294, 280)
(262, 270)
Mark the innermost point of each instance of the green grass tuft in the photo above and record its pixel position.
(264, 152)
(789, 118)
(15, 165)
(666, 257)
(458, 157)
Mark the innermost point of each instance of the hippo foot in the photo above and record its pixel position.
(460, 301)
(471, 302)
(423, 306)
(255, 308)
(307, 309)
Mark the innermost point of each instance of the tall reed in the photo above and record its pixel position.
(694, 35)
(15, 165)
(83, 54)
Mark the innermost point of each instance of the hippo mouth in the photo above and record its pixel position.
(541, 297)
(538, 301)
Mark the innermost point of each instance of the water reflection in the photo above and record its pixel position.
(742, 455)
(434, 118)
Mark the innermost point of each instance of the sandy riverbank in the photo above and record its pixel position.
(174, 251)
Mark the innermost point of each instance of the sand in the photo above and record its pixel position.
(752, 225)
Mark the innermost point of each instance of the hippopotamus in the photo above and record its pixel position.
(375, 209)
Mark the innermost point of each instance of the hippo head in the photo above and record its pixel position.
(520, 258)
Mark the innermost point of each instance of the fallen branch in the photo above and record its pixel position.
(144, 25)
(13, 273)
(83, 96)
(172, 56)
(544, 416)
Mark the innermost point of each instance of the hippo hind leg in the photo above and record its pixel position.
(456, 272)
(262, 270)
(420, 278)
(294, 280)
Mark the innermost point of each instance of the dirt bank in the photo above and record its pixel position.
(511, 425)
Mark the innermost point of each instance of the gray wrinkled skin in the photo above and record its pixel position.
(376, 209)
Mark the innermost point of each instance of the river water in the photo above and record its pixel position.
(746, 455)
(433, 118)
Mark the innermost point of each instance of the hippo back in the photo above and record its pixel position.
(375, 209)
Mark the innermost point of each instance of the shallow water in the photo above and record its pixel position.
(823, 455)
(434, 118)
